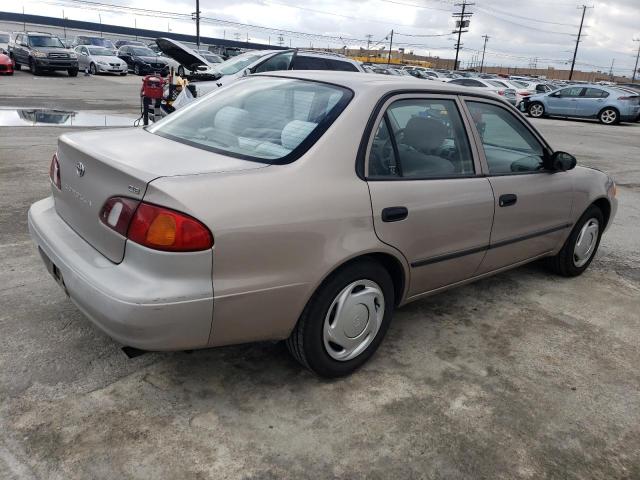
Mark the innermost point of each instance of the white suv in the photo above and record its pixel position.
(258, 61)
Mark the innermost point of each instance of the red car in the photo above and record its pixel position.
(6, 64)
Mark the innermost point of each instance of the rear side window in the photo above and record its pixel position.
(309, 63)
(421, 138)
(595, 93)
(267, 119)
(340, 65)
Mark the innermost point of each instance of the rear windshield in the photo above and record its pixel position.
(4, 38)
(266, 119)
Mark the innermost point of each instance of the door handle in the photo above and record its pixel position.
(394, 214)
(507, 199)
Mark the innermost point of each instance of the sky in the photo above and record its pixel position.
(521, 32)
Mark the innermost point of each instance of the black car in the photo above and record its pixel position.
(43, 52)
(122, 43)
(143, 60)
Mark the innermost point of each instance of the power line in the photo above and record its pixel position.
(522, 17)
(480, 9)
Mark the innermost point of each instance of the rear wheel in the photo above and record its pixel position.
(581, 246)
(536, 110)
(609, 116)
(345, 321)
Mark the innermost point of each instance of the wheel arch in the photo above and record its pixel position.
(605, 207)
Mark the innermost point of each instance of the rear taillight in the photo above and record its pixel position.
(500, 92)
(155, 227)
(54, 172)
(117, 213)
(525, 94)
(627, 98)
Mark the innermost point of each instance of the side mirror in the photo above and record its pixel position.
(247, 71)
(561, 162)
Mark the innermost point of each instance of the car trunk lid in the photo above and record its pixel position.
(95, 166)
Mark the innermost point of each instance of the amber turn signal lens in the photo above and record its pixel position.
(162, 231)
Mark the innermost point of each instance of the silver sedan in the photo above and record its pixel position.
(99, 60)
(308, 207)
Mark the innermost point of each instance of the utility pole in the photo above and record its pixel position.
(64, 24)
(390, 46)
(461, 24)
(484, 49)
(100, 18)
(635, 69)
(196, 16)
(575, 52)
(135, 26)
(369, 37)
(611, 69)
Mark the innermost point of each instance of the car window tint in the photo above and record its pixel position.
(428, 140)
(509, 146)
(474, 83)
(595, 93)
(570, 92)
(303, 62)
(382, 158)
(276, 63)
(261, 118)
(341, 66)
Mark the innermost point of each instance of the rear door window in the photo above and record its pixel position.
(276, 63)
(339, 65)
(594, 93)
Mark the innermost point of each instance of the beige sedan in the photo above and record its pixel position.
(307, 207)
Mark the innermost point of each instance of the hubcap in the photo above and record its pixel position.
(536, 110)
(353, 320)
(586, 242)
(608, 116)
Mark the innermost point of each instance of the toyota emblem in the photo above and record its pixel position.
(80, 169)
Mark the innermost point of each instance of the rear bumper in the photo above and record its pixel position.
(152, 300)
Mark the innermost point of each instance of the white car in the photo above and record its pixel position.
(259, 61)
(5, 38)
(187, 61)
(509, 94)
(99, 60)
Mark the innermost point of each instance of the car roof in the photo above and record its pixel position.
(358, 81)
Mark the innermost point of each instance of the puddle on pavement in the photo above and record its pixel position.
(44, 117)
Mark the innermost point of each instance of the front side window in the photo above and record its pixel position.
(267, 119)
(421, 138)
(569, 92)
(509, 146)
(276, 63)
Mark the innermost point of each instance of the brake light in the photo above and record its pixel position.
(525, 94)
(627, 98)
(54, 172)
(164, 229)
(154, 226)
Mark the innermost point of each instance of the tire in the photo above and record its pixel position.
(33, 67)
(359, 282)
(609, 116)
(72, 72)
(181, 71)
(136, 69)
(536, 110)
(123, 74)
(92, 69)
(16, 66)
(564, 263)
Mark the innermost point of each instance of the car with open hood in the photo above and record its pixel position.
(307, 207)
(189, 62)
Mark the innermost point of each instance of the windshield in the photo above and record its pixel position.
(238, 62)
(100, 51)
(4, 38)
(211, 58)
(45, 41)
(264, 119)
(100, 42)
(142, 52)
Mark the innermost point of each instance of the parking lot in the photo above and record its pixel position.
(521, 375)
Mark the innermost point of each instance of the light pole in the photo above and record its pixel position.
(635, 69)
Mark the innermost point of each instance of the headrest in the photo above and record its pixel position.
(295, 132)
(231, 119)
(425, 134)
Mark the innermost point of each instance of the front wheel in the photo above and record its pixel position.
(609, 116)
(581, 246)
(72, 72)
(92, 69)
(136, 69)
(33, 67)
(123, 74)
(181, 71)
(345, 321)
(536, 110)
(16, 65)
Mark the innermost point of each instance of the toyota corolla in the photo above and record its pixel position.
(308, 207)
